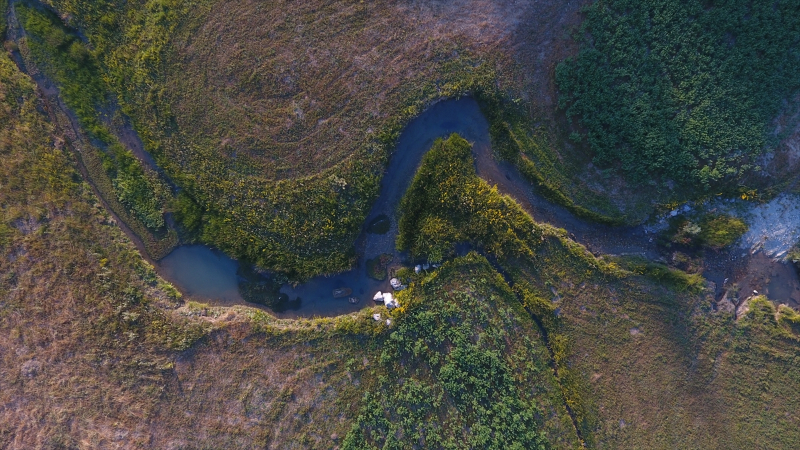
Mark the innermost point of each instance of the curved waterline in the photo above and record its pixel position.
(464, 117)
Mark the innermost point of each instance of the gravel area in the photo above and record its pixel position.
(774, 226)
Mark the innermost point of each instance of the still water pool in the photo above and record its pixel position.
(202, 273)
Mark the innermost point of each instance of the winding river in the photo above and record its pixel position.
(207, 275)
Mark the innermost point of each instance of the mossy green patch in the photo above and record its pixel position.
(377, 267)
(719, 231)
(447, 203)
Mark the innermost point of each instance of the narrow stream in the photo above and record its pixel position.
(204, 274)
(462, 116)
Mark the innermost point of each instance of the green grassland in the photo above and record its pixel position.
(65, 59)
(680, 90)
(136, 194)
(100, 354)
(276, 165)
(641, 356)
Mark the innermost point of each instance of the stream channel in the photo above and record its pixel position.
(209, 276)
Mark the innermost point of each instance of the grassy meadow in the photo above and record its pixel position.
(276, 151)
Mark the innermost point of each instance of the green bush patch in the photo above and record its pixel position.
(719, 231)
(449, 376)
(377, 267)
(715, 231)
(379, 225)
(447, 203)
(682, 90)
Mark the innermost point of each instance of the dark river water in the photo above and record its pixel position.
(208, 275)
(202, 273)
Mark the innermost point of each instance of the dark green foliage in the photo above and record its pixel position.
(447, 203)
(380, 225)
(682, 89)
(377, 267)
(263, 289)
(451, 376)
(188, 212)
(62, 56)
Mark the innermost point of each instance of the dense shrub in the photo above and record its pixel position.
(450, 377)
(681, 89)
(711, 230)
(447, 203)
(718, 231)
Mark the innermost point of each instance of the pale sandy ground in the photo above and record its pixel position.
(774, 226)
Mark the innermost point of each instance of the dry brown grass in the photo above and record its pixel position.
(298, 87)
(91, 343)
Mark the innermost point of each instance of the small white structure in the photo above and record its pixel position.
(388, 322)
(377, 317)
(395, 283)
(387, 299)
(390, 301)
(417, 268)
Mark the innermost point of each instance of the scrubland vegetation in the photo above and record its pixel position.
(715, 231)
(463, 366)
(94, 351)
(448, 204)
(534, 344)
(682, 90)
(253, 183)
(66, 60)
(640, 356)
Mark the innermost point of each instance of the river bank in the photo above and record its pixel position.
(205, 275)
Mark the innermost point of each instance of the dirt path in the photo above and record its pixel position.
(65, 121)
